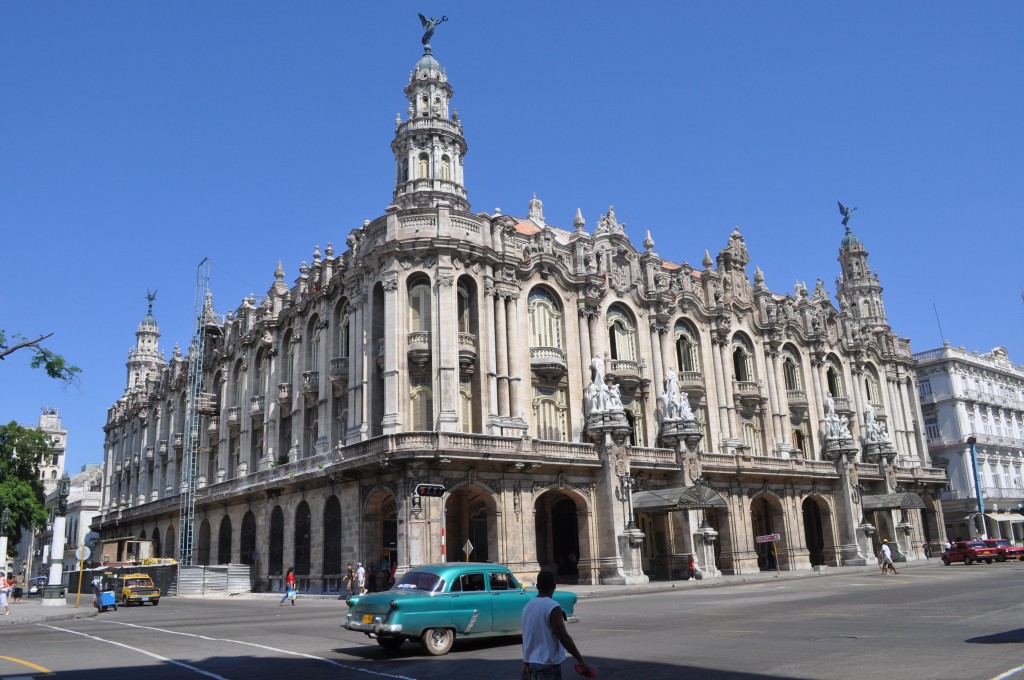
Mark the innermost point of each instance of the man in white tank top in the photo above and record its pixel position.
(545, 639)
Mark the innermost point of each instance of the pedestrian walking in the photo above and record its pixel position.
(545, 639)
(289, 587)
(885, 558)
(5, 580)
(361, 577)
(350, 580)
(19, 588)
(927, 551)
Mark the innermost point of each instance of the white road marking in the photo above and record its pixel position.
(1012, 671)
(140, 651)
(264, 647)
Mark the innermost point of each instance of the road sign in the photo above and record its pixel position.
(767, 538)
(468, 549)
(82, 553)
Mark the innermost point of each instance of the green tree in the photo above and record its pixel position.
(21, 490)
(54, 364)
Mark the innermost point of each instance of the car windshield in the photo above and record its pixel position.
(138, 582)
(421, 580)
(1000, 542)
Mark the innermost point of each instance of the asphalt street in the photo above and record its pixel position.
(928, 622)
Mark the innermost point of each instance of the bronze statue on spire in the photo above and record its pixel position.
(150, 297)
(845, 212)
(429, 25)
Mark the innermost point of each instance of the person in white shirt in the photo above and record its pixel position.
(545, 639)
(885, 557)
(361, 577)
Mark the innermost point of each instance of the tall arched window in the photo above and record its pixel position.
(464, 308)
(545, 319)
(224, 541)
(156, 542)
(313, 358)
(419, 306)
(170, 544)
(421, 398)
(742, 360)
(687, 348)
(423, 167)
(791, 371)
(247, 542)
(203, 544)
(872, 388)
(621, 334)
(834, 378)
(287, 370)
(275, 560)
(551, 412)
(303, 529)
(259, 377)
(446, 168)
(332, 536)
(341, 326)
(238, 383)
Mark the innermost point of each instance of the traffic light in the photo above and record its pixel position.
(430, 490)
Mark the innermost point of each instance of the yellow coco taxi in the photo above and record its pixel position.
(138, 589)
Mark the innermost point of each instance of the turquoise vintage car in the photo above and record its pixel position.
(435, 602)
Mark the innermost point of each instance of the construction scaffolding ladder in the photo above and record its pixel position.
(193, 414)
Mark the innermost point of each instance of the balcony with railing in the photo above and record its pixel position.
(162, 447)
(284, 394)
(258, 407)
(843, 406)
(213, 424)
(179, 440)
(626, 372)
(798, 404)
(467, 352)
(339, 372)
(234, 417)
(209, 403)
(692, 382)
(418, 348)
(747, 394)
(311, 383)
(548, 362)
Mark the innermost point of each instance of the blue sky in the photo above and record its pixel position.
(137, 138)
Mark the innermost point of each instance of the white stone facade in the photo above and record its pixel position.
(446, 346)
(966, 394)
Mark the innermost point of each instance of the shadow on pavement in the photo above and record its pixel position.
(999, 638)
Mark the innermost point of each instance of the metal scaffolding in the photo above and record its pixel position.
(193, 413)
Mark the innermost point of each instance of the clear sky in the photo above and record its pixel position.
(137, 138)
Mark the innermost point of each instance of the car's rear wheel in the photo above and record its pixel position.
(390, 643)
(945, 560)
(967, 559)
(988, 561)
(1001, 558)
(438, 641)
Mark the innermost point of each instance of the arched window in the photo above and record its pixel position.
(446, 168)
(287, 370)
(303, 527)
(170, 546)
(423, 167)
(247, 544)
(275, 562)
(332, 536)
(156, 542)
(341, 337)
(872, 389)
(687, 348)
(421, 398)
(791, 371)
(621, 335)
(752, 436)
(260, 376)
(224, 541)
(238, 383)
(419, 307)
(742, 360)
(834, 378)
(551, 412)
(545, 319)
(313, 358)
(203, 544)
(464, 302)
(865, 308)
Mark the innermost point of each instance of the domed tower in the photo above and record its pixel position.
(858, 286)
(145, 360)
(429, 147)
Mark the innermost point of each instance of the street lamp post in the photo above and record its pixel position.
(971, 441)
(53, 593)
(5, 523)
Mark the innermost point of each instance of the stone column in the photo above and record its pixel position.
(394, 341)
(356, 426)
(516, 405)
(657, 330)
(725, 423)
(446, 332)
(774, 401)
(488, 347)
(501, 343)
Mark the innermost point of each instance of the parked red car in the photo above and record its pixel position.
(1005, 549)
(968, 552)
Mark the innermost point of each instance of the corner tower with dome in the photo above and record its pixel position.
(590, 406)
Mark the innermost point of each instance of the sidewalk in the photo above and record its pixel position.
(31, 610)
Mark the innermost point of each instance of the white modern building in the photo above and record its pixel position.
(968, 394)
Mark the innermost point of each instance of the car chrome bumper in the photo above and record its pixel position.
(572, 619)
(375, 628)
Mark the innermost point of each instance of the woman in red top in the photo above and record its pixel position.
(289, 587)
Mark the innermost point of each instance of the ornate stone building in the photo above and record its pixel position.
(967, 394)
(590, 406)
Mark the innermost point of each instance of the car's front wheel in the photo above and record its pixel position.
(438, 641)
(945, 560)
(988, 561)
(1001, 558)
(156, 602)
(390, 643)
(967, 559)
